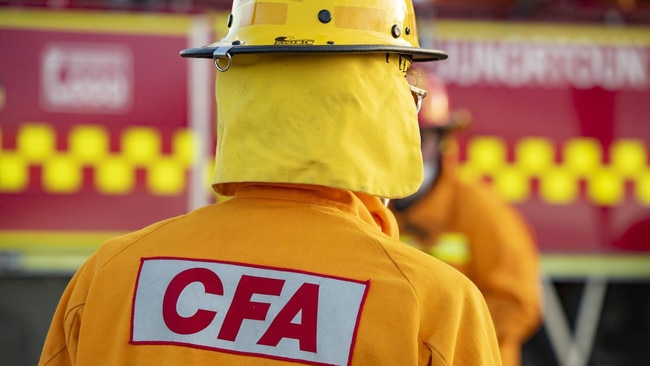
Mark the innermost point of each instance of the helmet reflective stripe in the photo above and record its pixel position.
(329, 26)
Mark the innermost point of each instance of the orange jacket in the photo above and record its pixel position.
(275, 274)
(468, 226)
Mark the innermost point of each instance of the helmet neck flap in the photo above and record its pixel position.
(340, 121)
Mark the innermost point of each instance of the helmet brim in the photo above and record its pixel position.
(415, 54)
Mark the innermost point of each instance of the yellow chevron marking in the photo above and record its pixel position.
(580, 159)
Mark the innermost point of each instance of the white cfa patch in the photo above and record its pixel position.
(243, 309)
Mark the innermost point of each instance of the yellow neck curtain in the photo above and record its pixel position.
(343, 121)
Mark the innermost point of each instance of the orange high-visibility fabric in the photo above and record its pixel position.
(418, 310)
(502, 258)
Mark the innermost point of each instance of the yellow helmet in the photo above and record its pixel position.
(325, 26)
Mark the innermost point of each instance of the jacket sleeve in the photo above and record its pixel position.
(456, 324)
(62, 338)
(505, 267)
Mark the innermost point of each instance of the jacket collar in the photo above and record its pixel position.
(364, 207)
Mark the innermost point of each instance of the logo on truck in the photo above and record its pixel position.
(86, 78)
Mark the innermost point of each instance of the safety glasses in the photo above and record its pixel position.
(418, 95)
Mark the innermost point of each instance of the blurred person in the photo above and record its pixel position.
(470, 227)
(303, 263)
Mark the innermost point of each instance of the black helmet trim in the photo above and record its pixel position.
(217, 52)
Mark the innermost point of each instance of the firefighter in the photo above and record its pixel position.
(468, 226)
(302, 264)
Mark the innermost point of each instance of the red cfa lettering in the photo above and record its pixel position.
(304, 302)
(202, 318)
